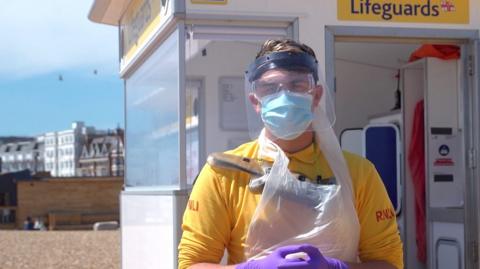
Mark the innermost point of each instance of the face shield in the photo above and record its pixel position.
(286, 96)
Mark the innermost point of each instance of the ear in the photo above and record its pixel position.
(317, 95)
(255, 102)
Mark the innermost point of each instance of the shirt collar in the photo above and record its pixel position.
(307, 155)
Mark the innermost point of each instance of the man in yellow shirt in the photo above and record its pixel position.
(223, 211)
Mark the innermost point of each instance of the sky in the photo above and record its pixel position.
(43, 41)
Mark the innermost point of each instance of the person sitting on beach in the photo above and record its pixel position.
(28, 224)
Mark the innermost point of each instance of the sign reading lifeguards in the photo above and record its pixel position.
(415, 11)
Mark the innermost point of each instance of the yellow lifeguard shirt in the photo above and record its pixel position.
(221, 207)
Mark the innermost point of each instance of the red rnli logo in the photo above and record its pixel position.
(385, 214)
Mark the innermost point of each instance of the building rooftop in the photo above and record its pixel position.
(100, 146)
(21, 147)
(13, 139)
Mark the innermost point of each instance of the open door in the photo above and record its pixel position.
(438, 88)
(194, 113)
(476, 149)
(472, 107)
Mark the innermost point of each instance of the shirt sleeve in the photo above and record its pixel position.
(206, 222)
(379, 235)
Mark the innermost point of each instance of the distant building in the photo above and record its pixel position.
(58, 153)
(63, 149)
(103, 156)
(50, 153)
(13, 139)
(18, 156)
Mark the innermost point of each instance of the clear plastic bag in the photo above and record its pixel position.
(291, 211)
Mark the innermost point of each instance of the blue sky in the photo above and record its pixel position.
(52, 39)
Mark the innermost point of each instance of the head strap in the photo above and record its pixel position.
(290, 61)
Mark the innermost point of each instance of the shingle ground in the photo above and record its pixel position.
(60, 249)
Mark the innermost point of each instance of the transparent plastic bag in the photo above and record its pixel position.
(291, 211)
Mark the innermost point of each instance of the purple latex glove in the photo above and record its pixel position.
(277, 260)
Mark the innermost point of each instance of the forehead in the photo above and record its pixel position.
(277, 74)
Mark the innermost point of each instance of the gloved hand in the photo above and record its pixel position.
(277, 260)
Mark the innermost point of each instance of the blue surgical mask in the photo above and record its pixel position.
(287, 114)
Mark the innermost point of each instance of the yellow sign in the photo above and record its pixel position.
(210, 2)
(139, 21)
(416, 11)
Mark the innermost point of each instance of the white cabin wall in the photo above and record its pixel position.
(365, 80)
(222, 59)
(362, 91)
